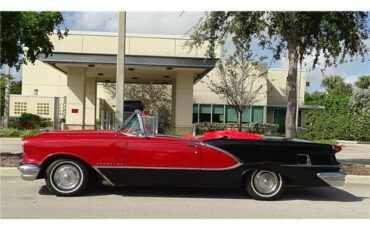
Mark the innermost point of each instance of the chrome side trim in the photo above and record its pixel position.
(28, 172)
(104, 177)
(169, 168)
(314, 166)
(333, 178)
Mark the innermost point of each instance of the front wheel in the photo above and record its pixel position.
(66, 177)
(265, 185)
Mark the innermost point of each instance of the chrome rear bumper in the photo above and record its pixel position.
(28, 171)
(332, 178)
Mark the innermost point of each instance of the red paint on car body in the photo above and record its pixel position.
(230, 134)
(115, 149)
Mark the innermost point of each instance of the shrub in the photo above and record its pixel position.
(29, 121)
(264, 129)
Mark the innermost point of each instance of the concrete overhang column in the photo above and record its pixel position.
(75, 106)
(90, 102)
(182, 102)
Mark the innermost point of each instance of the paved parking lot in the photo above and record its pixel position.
(22, 199)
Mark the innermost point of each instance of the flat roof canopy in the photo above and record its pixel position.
(138, 69)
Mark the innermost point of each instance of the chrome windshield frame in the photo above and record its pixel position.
(141, 124)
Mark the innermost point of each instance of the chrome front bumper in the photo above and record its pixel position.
(332, 178)
(28, 171)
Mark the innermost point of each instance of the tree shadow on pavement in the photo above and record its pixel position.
(292, 193)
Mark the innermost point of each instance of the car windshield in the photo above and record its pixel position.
(131, 125)
(137, 123)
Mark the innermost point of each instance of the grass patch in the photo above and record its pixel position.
(11, 132)
(330, 142)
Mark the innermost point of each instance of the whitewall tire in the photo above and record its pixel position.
(67, 177)
(265, 184)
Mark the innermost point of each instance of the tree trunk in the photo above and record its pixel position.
(7, 99)
(239, 115)
(291, 89)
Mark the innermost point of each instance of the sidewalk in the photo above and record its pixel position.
(10, 145)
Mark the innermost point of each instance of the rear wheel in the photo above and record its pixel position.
(67, 177)
(265, 185)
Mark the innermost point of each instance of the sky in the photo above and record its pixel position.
(180, 23)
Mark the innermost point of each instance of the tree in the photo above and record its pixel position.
(336, 85)
(363, 82)
(24, 37)
(154, 97)
(15, 88)
(31, 30)
(330, 36)
(239, 81)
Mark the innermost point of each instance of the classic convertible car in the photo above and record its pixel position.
(135, 155)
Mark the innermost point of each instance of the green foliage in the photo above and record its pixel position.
(336, 121)
(331, 35)
(15, 88)
(359, 104)
(12, 132)
(27, 29)
(336, 85)
(265, 129)
(363, 82)
(29, 121)
(334, 36)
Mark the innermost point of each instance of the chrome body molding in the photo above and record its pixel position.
(314, 166)
(168, 168)
(28, 172)
(332, 178)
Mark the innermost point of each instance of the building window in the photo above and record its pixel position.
(230, 114)
(195, 113)
(205, 113)
(218, 114)
(43, 109)
(246, 116)
(20, 107)
(35, 92)
(257, 114)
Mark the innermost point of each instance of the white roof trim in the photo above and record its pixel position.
(115, 34)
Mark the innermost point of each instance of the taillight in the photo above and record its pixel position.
(337, 148)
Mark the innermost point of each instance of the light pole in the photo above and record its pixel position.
(120, 76)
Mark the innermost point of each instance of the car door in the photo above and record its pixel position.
(160, 160)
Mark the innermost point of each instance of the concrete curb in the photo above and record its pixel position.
(354, 179)
(11, 139)
(352, 142)
(350, 179)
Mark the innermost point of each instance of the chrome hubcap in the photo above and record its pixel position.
(266, 182)
(66, 177)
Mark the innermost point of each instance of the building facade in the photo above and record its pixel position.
(83, 61)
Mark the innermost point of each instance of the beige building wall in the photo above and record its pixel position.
(43, 78)
(272, 91)
(136, 44)
(276, 81)
(80, 91)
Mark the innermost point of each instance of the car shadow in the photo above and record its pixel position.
(292, 193)
(320, 194)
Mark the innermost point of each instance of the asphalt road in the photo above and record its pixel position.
(22, 199)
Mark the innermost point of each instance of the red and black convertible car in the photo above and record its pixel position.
(135, 155)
